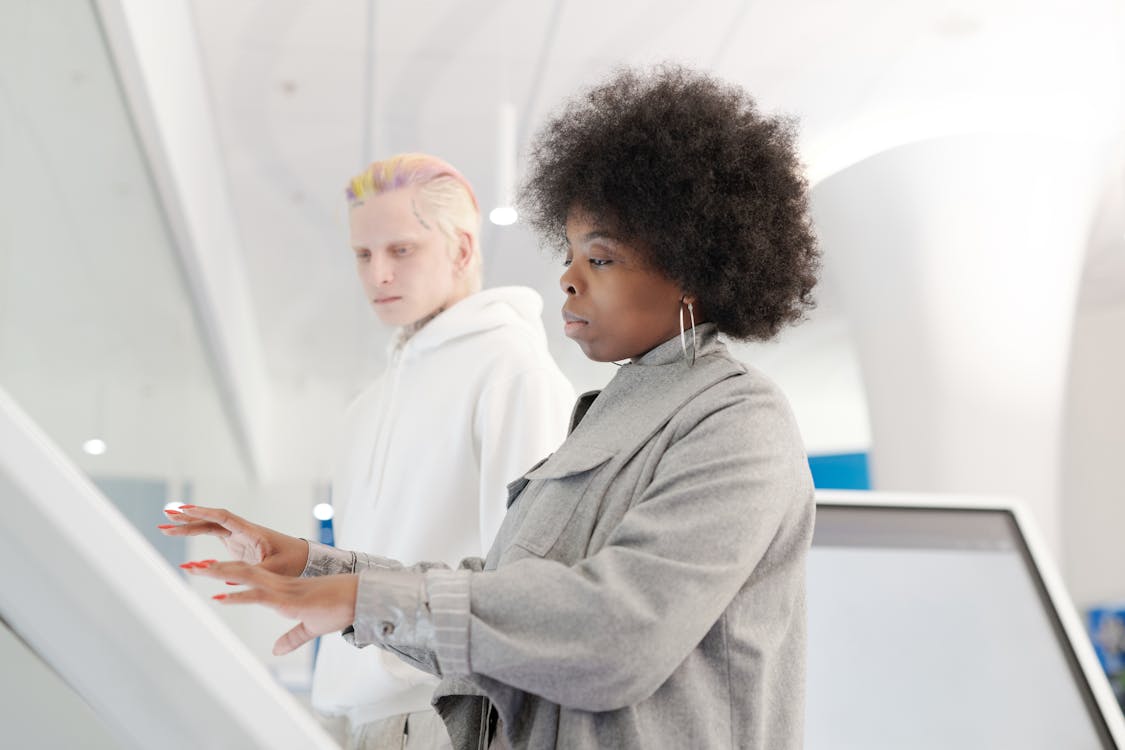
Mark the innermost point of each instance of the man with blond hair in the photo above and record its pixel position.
(469, 401)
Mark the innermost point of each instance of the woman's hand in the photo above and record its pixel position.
(322, 605)
(248, 542)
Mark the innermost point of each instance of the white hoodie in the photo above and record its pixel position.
(467, 404)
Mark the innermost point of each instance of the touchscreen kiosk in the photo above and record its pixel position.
(100, 637)
(938, 622)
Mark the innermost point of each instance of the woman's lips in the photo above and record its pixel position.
(385, 300)
(572, 323)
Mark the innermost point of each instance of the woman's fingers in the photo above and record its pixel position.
(181, 528)
(322, 605)
(235, 572)
(192, 520)
(176, 516)
(249, 596)
(297, 636)
(220, 516)
(264, 586)
(193, 513)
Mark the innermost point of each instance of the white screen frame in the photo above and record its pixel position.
(96, 602)
(1079, 652)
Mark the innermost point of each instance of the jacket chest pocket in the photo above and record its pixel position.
(555, 492)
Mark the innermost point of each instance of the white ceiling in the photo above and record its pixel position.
(305, 94)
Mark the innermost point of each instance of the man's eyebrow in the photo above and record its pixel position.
(403, 240)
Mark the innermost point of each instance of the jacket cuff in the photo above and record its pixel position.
(448, 592)
(325, 561)
(390, 610)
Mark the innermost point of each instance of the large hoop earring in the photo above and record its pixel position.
(683, 338)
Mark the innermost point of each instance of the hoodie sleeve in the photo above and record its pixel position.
(519, 420)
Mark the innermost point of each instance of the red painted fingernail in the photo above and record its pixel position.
(187, 506)
(232, 583)
(219, 596)
(187, 565)
(173, 512)
(208, 562)
(166, 526)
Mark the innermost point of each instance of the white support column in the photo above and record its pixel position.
(156, 52)
(958, 260)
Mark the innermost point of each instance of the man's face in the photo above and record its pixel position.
(403, 260)
(616, 306)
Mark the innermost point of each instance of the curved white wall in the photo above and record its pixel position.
(957, 260)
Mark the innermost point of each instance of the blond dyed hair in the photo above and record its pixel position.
(445, 193)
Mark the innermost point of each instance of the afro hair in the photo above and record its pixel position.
(684, 168)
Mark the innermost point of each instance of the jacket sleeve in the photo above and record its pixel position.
(607, 632)
(416, 612)
(411, 611)
(325, 561)
(518, 421)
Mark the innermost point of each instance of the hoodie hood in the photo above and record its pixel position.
(479, 312)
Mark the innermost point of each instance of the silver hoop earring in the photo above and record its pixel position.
(683, 338)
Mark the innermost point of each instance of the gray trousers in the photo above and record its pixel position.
(423, 730)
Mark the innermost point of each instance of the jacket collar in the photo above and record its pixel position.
(639, 401)
(671, 352)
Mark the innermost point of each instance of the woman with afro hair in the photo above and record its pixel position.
(647, 586)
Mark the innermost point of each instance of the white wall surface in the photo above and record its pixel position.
(1093, 483)
(958, 261)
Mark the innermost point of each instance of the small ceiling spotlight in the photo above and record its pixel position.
(323, 511)
(95, 446)
(503, 216)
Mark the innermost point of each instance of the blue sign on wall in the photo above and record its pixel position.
(840, 471)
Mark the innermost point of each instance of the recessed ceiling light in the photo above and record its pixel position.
(95, 446)
(503, 216)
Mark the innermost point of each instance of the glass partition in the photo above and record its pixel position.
(98, 340)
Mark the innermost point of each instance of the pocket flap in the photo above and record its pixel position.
(516, 486)
(566, 463)
(564, 480)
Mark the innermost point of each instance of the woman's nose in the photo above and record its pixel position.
(566, 281)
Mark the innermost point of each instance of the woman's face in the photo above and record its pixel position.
(616, 307)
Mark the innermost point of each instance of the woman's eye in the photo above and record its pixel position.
(567, 262)
(364, 256)
(600, 262)
(402, 251)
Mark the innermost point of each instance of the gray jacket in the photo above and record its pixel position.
(647, 587)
